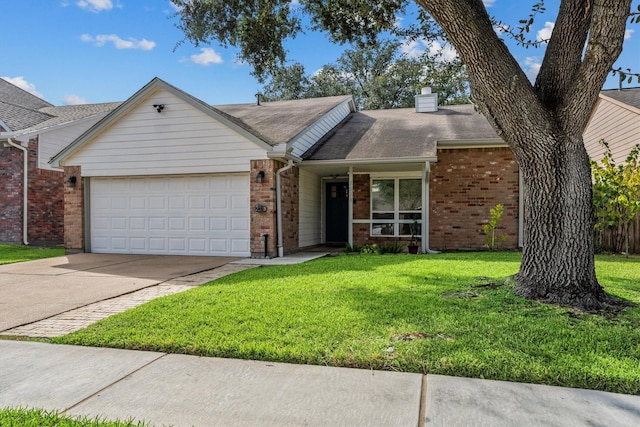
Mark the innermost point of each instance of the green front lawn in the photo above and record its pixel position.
(18, 253)
(439, 314)
(20, 417)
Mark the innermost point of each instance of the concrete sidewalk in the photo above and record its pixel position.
(179, 390)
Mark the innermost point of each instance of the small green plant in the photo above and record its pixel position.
(370, 249)
(350, 248)
(391, 248)
(490, 227)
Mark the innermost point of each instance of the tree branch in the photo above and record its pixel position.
(606, 36)
(564, 53)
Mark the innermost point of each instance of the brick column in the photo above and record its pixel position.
(263, 194)
(73, 211)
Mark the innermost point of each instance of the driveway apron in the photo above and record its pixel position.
(35, 290)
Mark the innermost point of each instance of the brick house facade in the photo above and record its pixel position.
(45, 198)
(465, 184)
(443, 171)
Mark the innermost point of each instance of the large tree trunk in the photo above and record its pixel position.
(543, 125)
(558, 259)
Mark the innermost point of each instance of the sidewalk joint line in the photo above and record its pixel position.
(161, 355)
(422, 413)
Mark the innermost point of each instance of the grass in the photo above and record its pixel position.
(19, 417)
(17, 253)
(441, 314)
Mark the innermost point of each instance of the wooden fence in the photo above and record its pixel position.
(612, 240)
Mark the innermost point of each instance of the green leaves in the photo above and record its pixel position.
(616, 190)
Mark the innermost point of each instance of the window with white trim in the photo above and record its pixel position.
(396, 207)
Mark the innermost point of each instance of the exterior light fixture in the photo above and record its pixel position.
(158, 107)
(260, 177)
(71, 182)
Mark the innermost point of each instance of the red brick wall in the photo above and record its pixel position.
(73, 211)
(11, 169)
(464, 185)
(45, 198)
(290, 181)
(265, 222)
(46, 202)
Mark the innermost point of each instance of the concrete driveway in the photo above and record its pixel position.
(35, 290)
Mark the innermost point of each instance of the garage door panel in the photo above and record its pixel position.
(185, 215)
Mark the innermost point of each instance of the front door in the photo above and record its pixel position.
(337, 212)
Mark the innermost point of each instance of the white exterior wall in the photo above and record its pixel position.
(309, 228)
(181, 139)
(52, 142)
(319, 129)
(619, 126)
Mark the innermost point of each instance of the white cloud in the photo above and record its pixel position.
(23, 84)
(627, 34)
(435, 49)
(532, 66)
(73, 100)
(130, 43)
(207, 57)
(489, 3)
(95, 5)
(545, 34)
(413, 48)
(446, 53)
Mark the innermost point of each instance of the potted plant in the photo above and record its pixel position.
(414, 245)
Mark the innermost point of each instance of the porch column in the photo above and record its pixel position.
(425, 207)
(350, 224)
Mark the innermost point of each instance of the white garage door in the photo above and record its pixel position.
(172, 215)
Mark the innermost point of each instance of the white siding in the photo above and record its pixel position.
(310, 210)
(171, 215)
(616, 125)
(180, 139)
(314, 133)
(52, 142)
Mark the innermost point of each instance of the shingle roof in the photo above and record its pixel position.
(399, 133)
(629, 96)
(280, 121)
(24, 113)
(69, 113)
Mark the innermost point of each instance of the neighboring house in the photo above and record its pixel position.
(165, 173)
(31, 132)
(616, 119)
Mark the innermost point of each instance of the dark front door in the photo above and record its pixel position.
(337, 212)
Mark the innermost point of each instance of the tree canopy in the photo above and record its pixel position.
(378, 76)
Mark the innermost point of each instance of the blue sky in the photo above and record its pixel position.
(79, 51)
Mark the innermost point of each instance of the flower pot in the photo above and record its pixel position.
(413, 249)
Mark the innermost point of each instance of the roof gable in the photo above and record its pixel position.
(627, 98)
(138, 98)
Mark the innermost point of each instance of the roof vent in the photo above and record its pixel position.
(426, 102)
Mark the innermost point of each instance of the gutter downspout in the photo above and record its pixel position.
(25, 189)
(425, 209)
(279, 207)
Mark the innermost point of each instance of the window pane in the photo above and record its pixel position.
(382, 193)
(406, 229)
(388, 215)
(385, 229)
(410, 194)
(411, 216)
